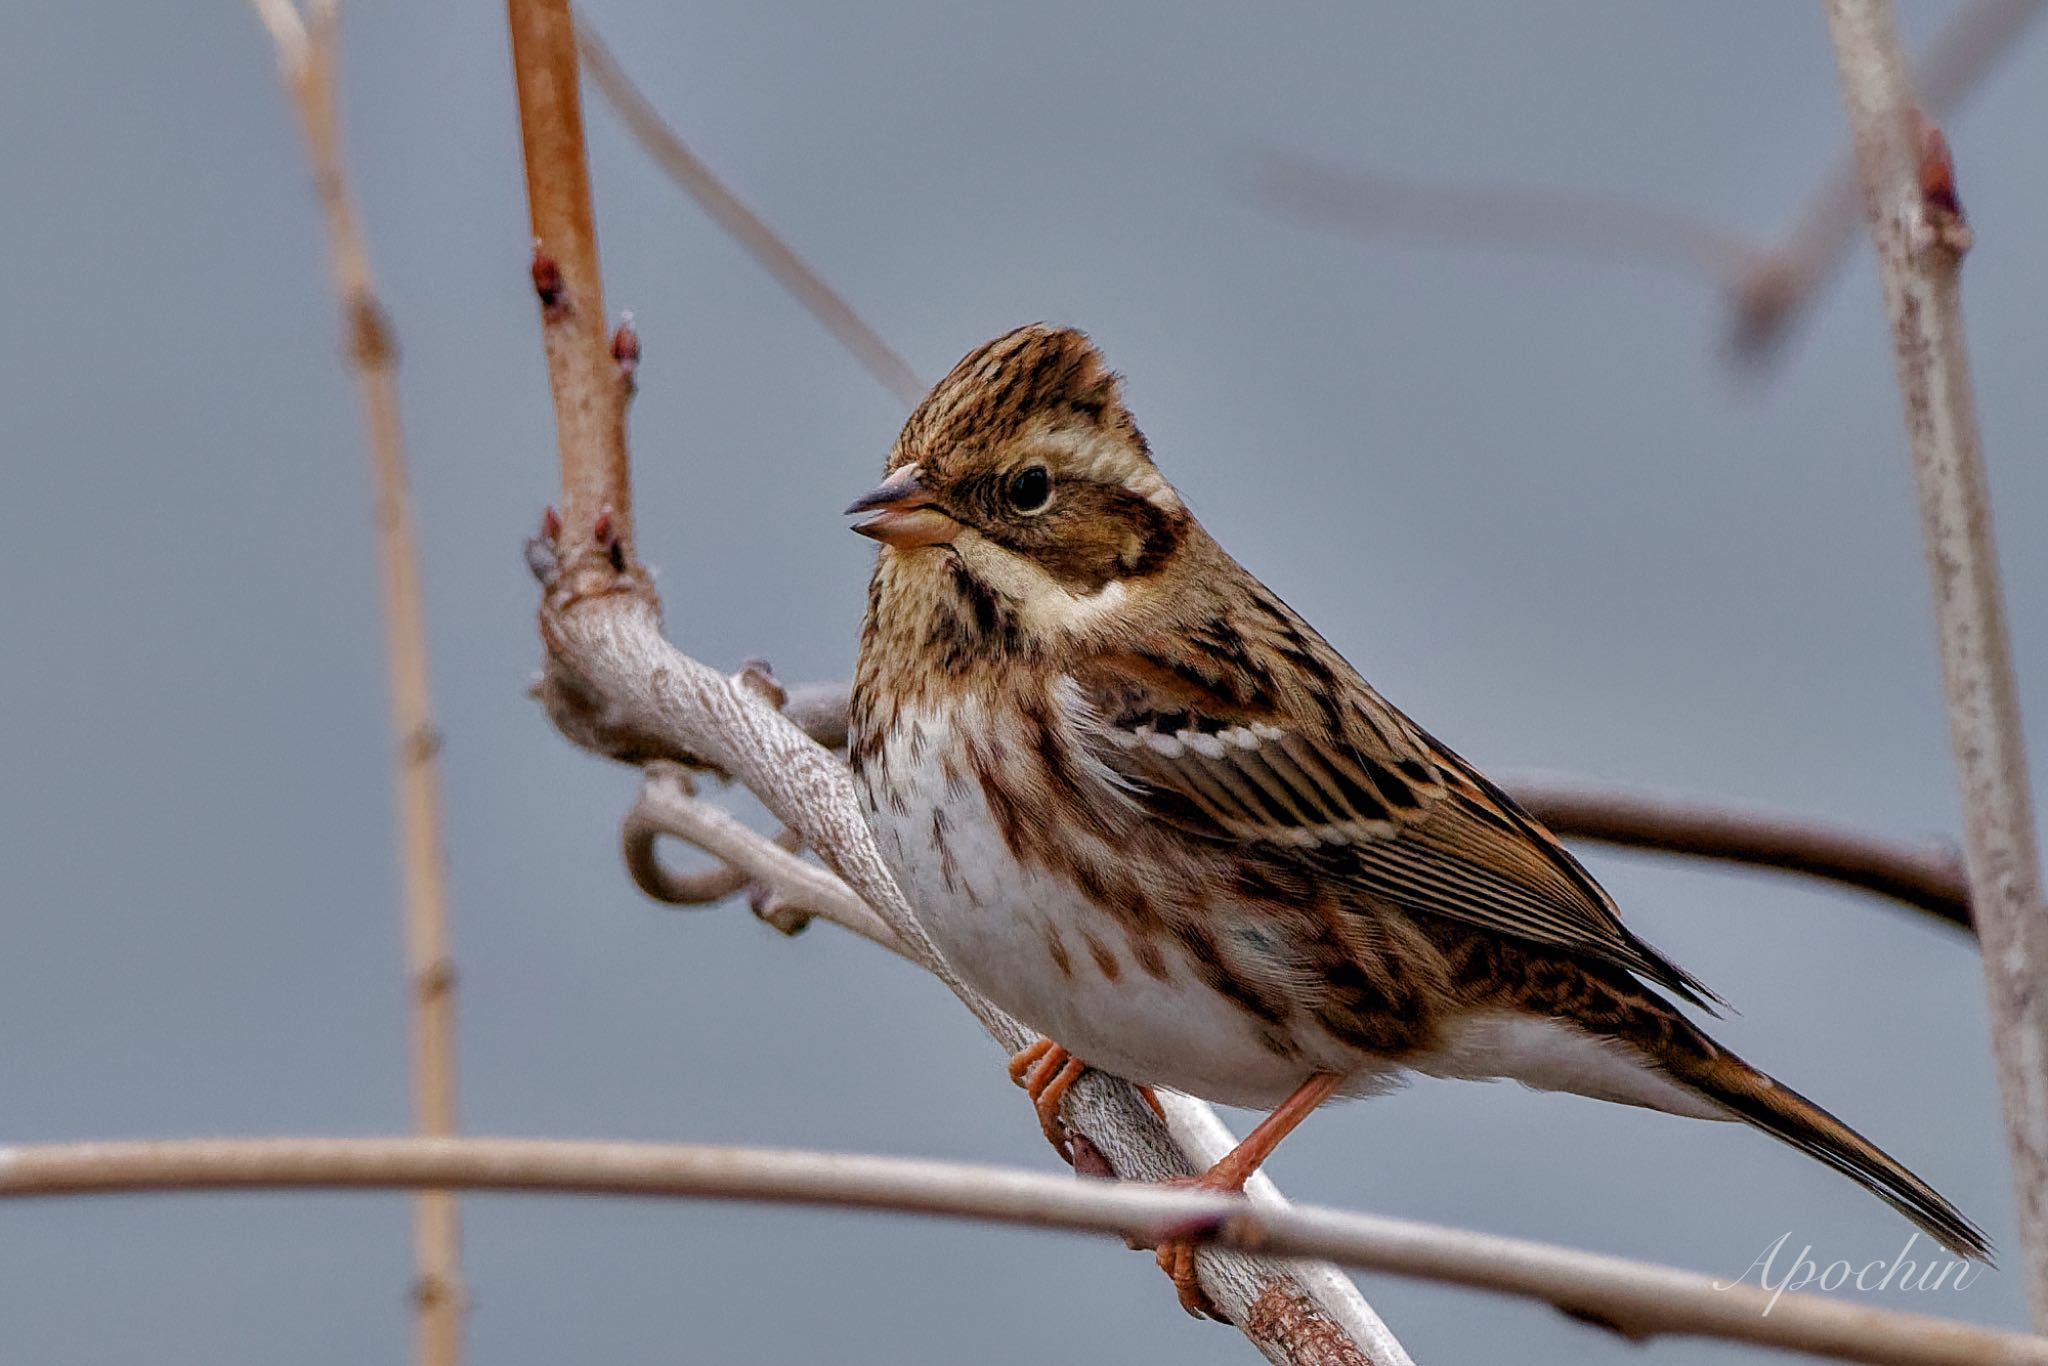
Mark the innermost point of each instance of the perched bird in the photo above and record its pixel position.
(1145, 808)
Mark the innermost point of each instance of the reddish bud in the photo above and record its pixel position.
(1937, 171)
(606, 534)
(1946, 226)
(550, 525)
(626, 344)
(547, 279)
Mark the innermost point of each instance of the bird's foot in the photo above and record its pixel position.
(1176, 1252)
(1046, 1071)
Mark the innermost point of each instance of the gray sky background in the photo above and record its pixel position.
(1523, 494)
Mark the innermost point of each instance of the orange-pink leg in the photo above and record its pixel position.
(1046, 1071)
(1177, 1254)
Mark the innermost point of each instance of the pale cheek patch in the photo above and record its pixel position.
(1075, 613)
(1045, 608)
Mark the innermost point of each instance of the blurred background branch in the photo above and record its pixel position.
(308, 50)
(1770, 285)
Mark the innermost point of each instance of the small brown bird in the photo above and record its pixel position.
(1144, 807)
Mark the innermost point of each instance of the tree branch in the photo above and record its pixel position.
(607, 652)
(1639, 1300)
(1917, 226)
(308, 51)
(1925, 874)
(590, 389)
(613, 684)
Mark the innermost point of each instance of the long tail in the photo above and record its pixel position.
(1704, 1066)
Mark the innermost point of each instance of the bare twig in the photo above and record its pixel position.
(1770, 285)
(308, 51)
(791, 271)
(1925, 874)
(1521, 217)
(590, 389)
(1917, 226)
(1639, 1300)
(613, 684)
(667, 807)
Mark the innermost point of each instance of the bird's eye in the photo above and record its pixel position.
(1031, 488)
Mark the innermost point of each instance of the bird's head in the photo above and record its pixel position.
(1024, 473)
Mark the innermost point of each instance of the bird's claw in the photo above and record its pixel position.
(1046, 1072)
(1176, 1248)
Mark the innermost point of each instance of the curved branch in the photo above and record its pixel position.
(666, 807)
(1637, 1299)
(639, 835)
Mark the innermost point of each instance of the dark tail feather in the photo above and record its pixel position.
(1786, 1115)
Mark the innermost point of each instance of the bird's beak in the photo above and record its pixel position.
(902, 516)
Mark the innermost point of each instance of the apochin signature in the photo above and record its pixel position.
(1800, 1270)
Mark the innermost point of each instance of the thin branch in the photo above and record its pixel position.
(308, 52)
(1926, 875)
(614, 685)
(698, 181)
(1639, 1300)
(1770, 285)
(1917, 226)
(590, 391)
(666, 806)
(1520, 217)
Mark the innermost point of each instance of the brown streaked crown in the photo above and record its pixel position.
(1039, 404)
(1038, 374)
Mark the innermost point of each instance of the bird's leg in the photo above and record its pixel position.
(1045, 1071)
(1177, 1254)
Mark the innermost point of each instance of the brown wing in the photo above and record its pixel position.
(1261, 734)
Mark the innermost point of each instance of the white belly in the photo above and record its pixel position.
(1037, 947)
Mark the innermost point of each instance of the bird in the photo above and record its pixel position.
(1142, 805)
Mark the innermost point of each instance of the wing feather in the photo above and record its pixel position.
(1310, 766)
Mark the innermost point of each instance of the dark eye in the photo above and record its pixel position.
(1030, 488)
